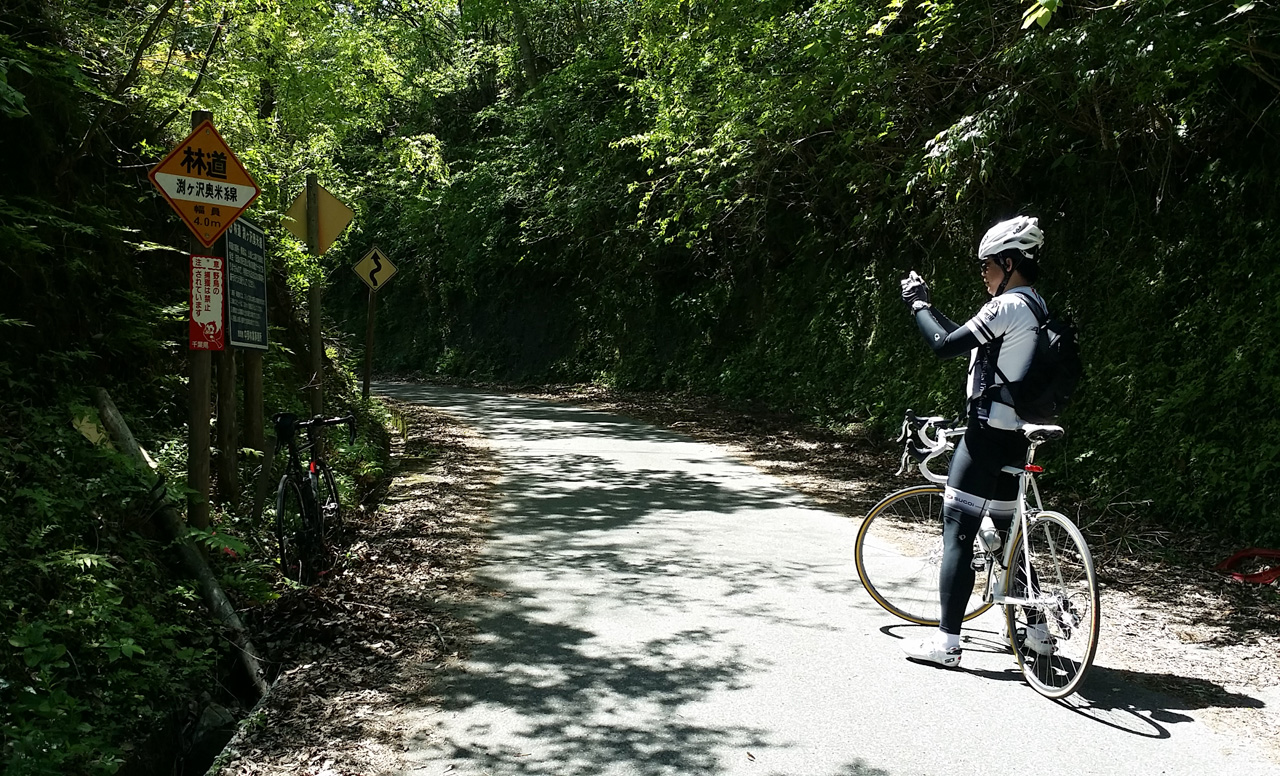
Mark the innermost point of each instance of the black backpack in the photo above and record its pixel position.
(1055, 370)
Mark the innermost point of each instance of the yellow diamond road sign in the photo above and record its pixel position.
(205, 183)
(375, 269)
(334, 217)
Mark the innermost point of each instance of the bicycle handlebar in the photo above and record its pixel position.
(921, 447)
(926, 438)
(287, 424)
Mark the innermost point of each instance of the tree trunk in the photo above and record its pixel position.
(192, 557)
(527, 55)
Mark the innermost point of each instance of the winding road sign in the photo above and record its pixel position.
(205, 183)
(375, 269)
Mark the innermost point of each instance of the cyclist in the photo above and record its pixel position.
(1001, 339)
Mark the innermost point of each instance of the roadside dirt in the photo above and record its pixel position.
(368, 642)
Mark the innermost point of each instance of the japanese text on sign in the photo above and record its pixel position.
(205, 326)
(205, 183)
(246, 286)
(209, 192)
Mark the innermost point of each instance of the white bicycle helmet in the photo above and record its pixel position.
(1021, 233)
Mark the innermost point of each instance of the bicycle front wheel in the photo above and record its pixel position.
(290, 528)
(1056, 637)
(899, 556)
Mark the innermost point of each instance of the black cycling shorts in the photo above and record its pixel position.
(982, 452)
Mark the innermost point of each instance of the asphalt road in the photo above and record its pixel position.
(662, 609)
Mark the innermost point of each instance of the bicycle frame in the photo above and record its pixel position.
(939, 443)
(287, 429)
(1043, 577)
(1024, 515)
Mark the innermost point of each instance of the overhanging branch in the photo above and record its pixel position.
(204, 68)
(148, 38)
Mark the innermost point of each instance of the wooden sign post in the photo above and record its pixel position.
(314, 301)
(204, 182)
(317, 218)
(228, 430)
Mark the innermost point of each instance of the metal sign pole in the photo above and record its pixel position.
(375, 270)
(368, 340)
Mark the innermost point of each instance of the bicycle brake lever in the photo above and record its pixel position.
(902, 464)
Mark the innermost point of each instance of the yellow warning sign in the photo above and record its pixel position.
(334, 217)
(375, 269)
(205, 183)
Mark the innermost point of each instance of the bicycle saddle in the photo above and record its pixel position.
(1037, 433)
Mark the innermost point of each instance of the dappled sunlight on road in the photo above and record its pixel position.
(650, 606)
(613, 630)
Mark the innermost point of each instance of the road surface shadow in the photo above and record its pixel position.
(632, 680)
(1135, 702)
(552, 687)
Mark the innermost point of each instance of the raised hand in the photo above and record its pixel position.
(915, 292)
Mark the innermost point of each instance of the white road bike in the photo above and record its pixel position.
(1044, 577)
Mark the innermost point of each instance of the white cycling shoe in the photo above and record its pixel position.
(1039, 641)
(930, 651)
(1036, 638)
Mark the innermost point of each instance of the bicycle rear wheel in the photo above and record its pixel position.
(1054, 640)
(899, 556)
(290, 528)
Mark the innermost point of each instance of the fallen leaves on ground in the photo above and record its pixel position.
(365, 644)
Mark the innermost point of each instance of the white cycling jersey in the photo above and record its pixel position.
(1006, 329)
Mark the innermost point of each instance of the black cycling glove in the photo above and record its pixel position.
(915, 292)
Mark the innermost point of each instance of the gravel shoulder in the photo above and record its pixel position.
(359, 651)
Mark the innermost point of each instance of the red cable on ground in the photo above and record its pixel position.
(1264, 577)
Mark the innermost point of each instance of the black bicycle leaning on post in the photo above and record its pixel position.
(308, 512)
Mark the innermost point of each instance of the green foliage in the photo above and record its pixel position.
(680, 194)
(100, 642)
(104, 644)
(721, 196)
